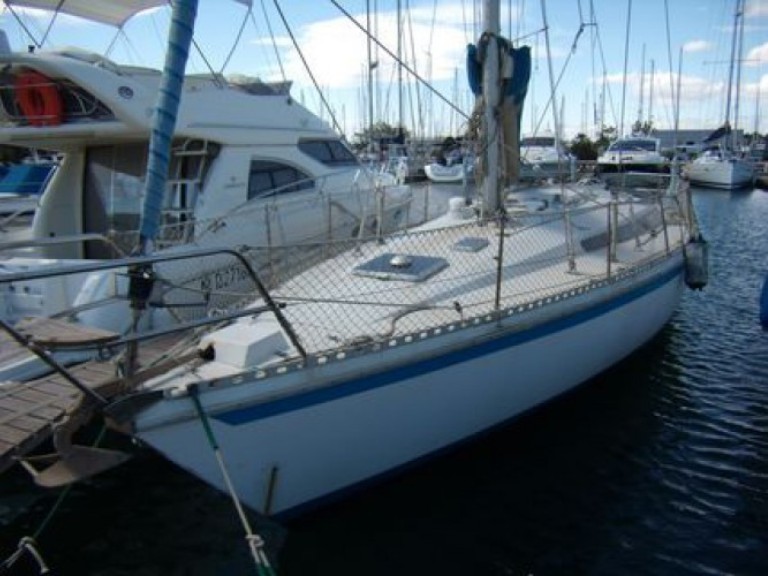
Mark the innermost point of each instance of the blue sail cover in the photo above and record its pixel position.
(164, 122)
(515, 87)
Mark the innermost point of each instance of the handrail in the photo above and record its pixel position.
(48, 359)
(55, 240)
(139, 261)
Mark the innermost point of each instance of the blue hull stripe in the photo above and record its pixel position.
(365, 383)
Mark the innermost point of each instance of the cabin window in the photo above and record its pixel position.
(633, 145)
(329, 152)
(271, 178)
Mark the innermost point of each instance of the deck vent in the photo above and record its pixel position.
(407, 267)
(470, 244)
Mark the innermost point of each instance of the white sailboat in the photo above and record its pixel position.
(389, 350)
(544, 157)
(721, 165)
(450, 173)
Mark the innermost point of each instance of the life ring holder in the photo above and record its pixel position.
(39, 100)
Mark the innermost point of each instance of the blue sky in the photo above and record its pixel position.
(434, 41)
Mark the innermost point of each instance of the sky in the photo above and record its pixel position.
(612, 61)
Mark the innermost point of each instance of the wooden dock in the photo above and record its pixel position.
(31, 411)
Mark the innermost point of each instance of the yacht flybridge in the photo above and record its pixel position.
(248, 165)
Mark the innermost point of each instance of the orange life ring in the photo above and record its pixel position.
(39, 99)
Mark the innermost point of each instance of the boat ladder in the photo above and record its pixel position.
(189, 165)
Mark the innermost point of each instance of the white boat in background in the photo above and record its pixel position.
(633, 154)
(719, 168)
(542, 157)
(454, 173)
(248, 165)
(386, 349)
(722, 166)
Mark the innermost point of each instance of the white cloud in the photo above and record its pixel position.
(757, 55)
(697, 46)
(336, 50)
(756, 10)
(280, 42)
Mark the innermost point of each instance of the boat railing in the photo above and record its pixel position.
(631, 241)
(145, 289)
(62, 240)
(301, 280)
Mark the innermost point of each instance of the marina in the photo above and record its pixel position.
(219, 291)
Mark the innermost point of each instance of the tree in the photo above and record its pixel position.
(382, 134)
(607, 135)
(644, 128)
(583, 148)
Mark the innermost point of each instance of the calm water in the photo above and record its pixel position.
(659, 466)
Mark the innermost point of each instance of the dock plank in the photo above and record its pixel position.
(29, 411)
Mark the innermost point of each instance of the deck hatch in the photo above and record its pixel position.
(470, 244)
(407, 267)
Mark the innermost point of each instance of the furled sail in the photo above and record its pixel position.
(514, 75)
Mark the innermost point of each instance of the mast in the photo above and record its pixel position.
(650, 94)
(740, 47)
(164, 121)
(553, 98)
(400, 124)
(737, 12)
(371, 66)
(642, 91)
(624, 81)
(492, 99)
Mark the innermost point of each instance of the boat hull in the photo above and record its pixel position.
(445, 174)
(355, 420)
(724, 174)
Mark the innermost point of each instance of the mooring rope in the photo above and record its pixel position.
(29, 543)
(255, 542)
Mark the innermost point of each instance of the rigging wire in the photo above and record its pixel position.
(403, 64)
(272, 37)
(24, 27)
(308, 69)
(555, 85)
(606, 86)
(237, 39)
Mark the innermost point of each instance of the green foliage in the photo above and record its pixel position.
(380, 133)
